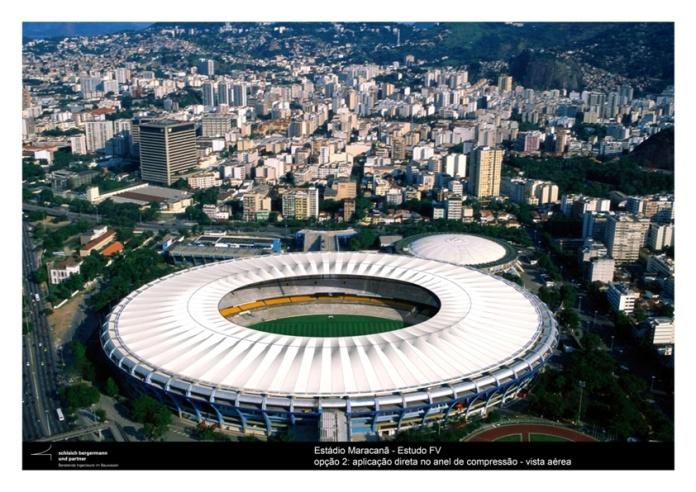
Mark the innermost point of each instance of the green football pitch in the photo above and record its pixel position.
(322, 325)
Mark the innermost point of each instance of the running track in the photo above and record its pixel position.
(493, 433)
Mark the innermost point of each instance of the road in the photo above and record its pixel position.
(40, 373)
(167, 224)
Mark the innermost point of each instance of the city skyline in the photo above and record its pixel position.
(295, 185)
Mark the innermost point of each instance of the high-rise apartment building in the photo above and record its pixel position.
(167, 148)
(208, 89)
(122, 75)
(78, 145)
(348, 209)
(301, 204)
(207, 67)
(484, 171)
(254, 204)
(88, 86)
(454, 207)
(601, 270)
(346, 188)
(661, 236)
(26, 97)
(505, 83)
(215, 125)
(562, 138)
(135, 135)
(98, 134)
(621, 298)
(239, 92)
(625, 235)
(455, 165)
(223, 93)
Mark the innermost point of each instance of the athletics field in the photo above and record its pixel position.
(528, 433)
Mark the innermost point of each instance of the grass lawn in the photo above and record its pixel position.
(534, 437)
(322, 325)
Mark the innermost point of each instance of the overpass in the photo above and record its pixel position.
(77, 433)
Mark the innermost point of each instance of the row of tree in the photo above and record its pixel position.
(614, 399)
(587, 176)
(127, 273)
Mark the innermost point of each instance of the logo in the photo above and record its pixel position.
(44, 453)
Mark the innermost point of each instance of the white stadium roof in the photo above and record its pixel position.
(460, 249)
(172, 330)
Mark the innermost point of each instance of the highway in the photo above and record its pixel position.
(40, 374)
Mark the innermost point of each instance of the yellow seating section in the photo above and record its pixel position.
(348, 298)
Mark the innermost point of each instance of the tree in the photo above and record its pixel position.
(512, 278)
(591, 342)
(569, 296)
(111, 388)
(126, 274)
(124, 234)
(623, 325)
(36, 215)
(93, 265)
(180, 184)
(569, 318)
(154, 416)
(46, 195)
(207, 196)
(40, 275)
(208, 433)
(79, 395)
(665, 310)
(31, 171)
(101, 414)
(78, 355)
(362, 205)
(195, 213)
(550, 296)
(365, 239)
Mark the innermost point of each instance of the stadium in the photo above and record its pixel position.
(482, 252)
(352, 344)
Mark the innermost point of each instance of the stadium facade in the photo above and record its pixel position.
(470, 341)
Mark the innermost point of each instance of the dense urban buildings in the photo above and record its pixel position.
(525, 198)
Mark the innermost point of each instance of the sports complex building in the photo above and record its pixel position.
(349, 343)
(482, 252)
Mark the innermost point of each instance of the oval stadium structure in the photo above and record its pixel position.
(472, 250)
(399, 342)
